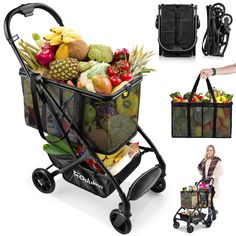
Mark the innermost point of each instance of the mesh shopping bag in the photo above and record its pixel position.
(201, 119)
(189, 199)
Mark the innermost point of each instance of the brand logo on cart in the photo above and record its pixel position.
(86, 180)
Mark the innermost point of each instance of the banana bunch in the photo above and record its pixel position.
(109, 160)
(61, 36)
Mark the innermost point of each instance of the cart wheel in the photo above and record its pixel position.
(208, 223)
(43, 180)
(228, 17)
(176, 224)
(159, 186)
(219, 9)
(190, 229)
(121, 223)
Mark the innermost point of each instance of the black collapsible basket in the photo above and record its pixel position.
(216, 38)
(60, 110)
(192, 199)
(201, 120)
(116, 115)
(177, 29)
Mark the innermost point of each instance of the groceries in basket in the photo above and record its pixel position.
(196, 195)
(220, 95)
(62, 55)
(114, 162)
(117, 161)
(204, 186)
(207, 115)
(98, 89)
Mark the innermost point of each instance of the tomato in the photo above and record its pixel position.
(126, 76)
(121, 54)
(80, 150)
(123, 65)
(94, 165)
(115, 80)
(113, 70)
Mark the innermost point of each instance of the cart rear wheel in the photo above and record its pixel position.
(159, 186)
(190, 229)
(176, 224)
(43, 180)
(219, 9)
(120, 222)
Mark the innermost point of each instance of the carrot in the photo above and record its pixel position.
(79, 84)
(69, 82)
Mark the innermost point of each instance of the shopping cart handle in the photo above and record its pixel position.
(28, 10)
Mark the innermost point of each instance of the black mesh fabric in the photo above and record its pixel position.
(106, 124)
(115, 123)
(67, 100)
(205, 120)
(177, 27)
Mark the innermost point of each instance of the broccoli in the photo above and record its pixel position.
(120, 128)
(100, 53)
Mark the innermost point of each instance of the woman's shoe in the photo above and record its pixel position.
(215, 212)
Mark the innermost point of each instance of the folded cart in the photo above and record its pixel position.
(193, 203)
(177, 26)
(58, 109)
(216, 37)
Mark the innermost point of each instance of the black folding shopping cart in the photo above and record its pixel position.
(58, 109)
(216, 38)
(177, 26)
(193, 204)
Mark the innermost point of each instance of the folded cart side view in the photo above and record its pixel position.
(60, 113)
(193, 204)
(177, 26)
(216, 37)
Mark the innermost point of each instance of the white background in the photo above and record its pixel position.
(73, 211)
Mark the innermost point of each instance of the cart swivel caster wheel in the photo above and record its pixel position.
(121, 223)
(43, 180)
(159, 186)
(190, 229)
(176, 224)
(208, 223)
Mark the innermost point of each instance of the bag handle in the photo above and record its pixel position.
(26, 10)
(210, 89)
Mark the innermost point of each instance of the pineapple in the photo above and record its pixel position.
(65, 69)
(138, 61)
